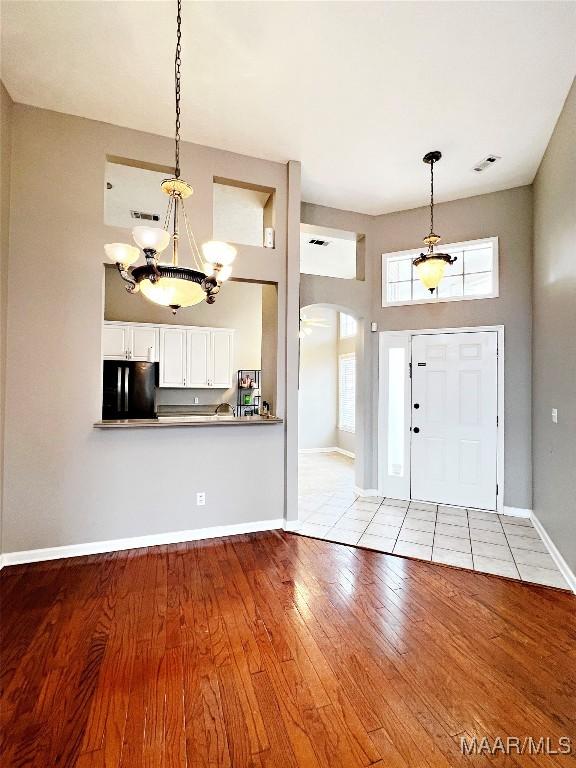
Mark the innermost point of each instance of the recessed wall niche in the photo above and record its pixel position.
(243, 213)
(132, 194)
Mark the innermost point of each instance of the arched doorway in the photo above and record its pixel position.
(329, 432)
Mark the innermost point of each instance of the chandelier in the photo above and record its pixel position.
(431, 266)
(169, 283)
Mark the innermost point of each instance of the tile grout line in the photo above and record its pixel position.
(434, 535)
(399, 529)
(511, 552)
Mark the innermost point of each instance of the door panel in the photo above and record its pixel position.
(454, 429)
(115, 342)
(222, 351)
(198, 358)
(172, 357)
(143, 339)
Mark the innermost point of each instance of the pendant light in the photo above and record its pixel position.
(431, 266)
(169, 283)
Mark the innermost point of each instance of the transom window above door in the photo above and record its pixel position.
(474, 275)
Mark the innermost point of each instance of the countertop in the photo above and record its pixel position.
(188, 421)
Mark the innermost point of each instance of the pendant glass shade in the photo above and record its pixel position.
(431, 271)
(152, 238)
(172, 292)
(122, 253)
(216, 252)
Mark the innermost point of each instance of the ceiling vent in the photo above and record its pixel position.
(319, 242)
(486, 163)
(145, 216)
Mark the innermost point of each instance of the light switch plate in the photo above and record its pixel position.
(555, 415)
(200, 499)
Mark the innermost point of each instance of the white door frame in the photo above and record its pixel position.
(384, 336)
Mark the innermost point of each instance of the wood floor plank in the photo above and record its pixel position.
(270, 650)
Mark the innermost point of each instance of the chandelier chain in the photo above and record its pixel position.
(177, 66)
(432, 198)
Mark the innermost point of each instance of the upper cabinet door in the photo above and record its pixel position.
(199, 363)
(222, 358)
(116, 342)
(172, 357)
(144, 341)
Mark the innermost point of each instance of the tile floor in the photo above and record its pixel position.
(468, 538)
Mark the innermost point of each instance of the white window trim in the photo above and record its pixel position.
(341, 428)
(416, 251)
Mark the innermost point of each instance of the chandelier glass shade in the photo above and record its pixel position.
(167, 283)
(431, 266)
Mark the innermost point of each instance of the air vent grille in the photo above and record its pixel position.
(145, 216)
(314, 241)
(486, 163)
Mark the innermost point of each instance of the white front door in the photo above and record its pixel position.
(454, 437)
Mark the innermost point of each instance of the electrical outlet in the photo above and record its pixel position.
(200, 499)
(555, 415)
(195, 401)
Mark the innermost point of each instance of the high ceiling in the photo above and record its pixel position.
(358, 91)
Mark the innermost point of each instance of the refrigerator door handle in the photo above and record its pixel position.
(119, 390)
(126, 381)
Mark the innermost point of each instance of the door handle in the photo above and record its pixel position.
(126, 381)
(119, 390)
(416, 430)
(416, 405)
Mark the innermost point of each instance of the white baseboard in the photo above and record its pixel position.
(563, 566)
(366, 491)
(153, 540)
(344, 452)
(333, 449)
(517, 512)
(291, 525)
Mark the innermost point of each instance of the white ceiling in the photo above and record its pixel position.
(358, 91)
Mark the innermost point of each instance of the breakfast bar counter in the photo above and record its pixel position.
(188, 421)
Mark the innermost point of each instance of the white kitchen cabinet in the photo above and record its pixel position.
(145, 343)
(116, 341)
(173, 357)
(198, 357)
(130, 341)
(222, 358)
(191, 357)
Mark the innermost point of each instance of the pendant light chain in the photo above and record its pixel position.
(432, 198)
(177, 65)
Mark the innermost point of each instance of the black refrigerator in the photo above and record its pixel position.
(129, 390)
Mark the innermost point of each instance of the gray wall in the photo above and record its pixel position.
(508, 215)
(554, 352)
(238, 306)
(65, 482)
(318, 391)
(353, 297)
(5, 170)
